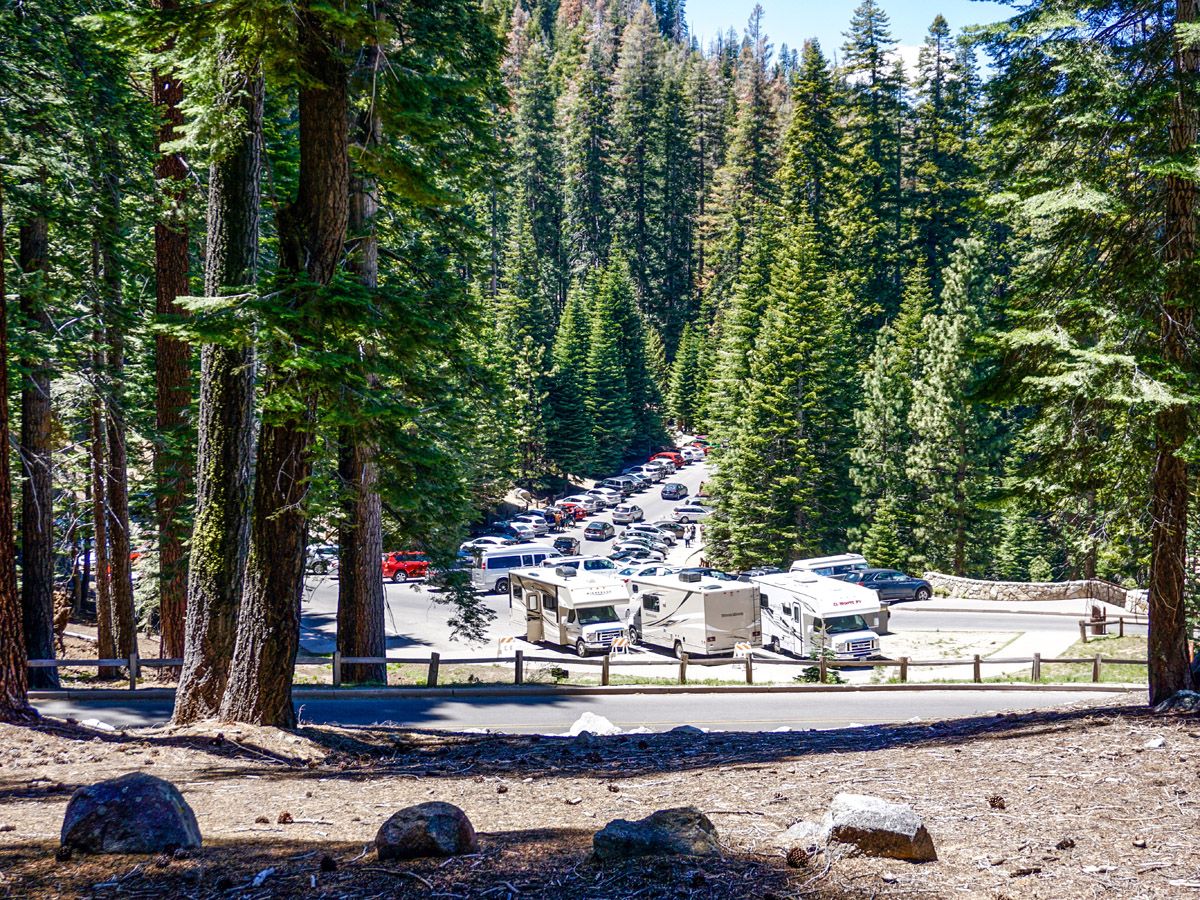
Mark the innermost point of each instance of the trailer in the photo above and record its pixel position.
(831, 565)
(693, 613)
(805, 614)
(563, 606)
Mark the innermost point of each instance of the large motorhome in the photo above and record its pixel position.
(831, 565)
(693, 613)
(806, 614)
(564, 606)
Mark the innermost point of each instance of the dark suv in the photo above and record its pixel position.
(891, 584)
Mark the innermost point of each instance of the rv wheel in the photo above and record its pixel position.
(502, 586)
(581, 648)
(399, 576)
(679, 650)
(633, 635)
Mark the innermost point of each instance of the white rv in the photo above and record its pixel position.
(831, 565)
(806, 614)
(567, 607)
(693, 613)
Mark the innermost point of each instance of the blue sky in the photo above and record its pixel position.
(791, 21)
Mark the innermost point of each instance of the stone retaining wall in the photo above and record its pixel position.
(1092, 589)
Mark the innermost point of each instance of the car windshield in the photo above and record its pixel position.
(844, 624)
(592, 565)
(597, 615)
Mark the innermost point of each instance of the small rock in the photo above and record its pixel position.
(162, 861)
(63, 854)
(1140, 843)
(427, 829)
(262, 820)
(686, 729)
(1065, 844)
(284, 818)
(590, 723)
(1155, 743)
(879, 828)
(1180, 701)
(888, 878)
(614, 789)
(996, 861)
(1024, 870)
(803, 834)
(683, 831)
(182, 853)
(135, 813)
(502, 789)
(574, 801)
(8, 827)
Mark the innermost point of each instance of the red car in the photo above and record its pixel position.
(401, 565)
(575, 510)
(674, 457)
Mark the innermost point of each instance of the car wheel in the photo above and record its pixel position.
(679, 649)
(921, 594)
(399, 576)
(581, 648)
(633, 635)
(502, 586)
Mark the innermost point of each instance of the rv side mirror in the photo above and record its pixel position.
(762, 601)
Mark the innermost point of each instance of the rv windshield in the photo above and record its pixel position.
(841, 624)
(597, 615)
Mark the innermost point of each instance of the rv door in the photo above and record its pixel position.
(533, 616)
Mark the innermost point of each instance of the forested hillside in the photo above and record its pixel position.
(289, 273)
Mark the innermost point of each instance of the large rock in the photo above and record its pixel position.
(427, 829)
(879, 828)
(684, 831)
(136, 813)
(802, 834)
(1180, 701)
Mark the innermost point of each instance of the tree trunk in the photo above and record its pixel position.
(360, 625)
(172, 466)
(14, 698)
(105, 646)
(1169, 486)
(226, 417)
(37, 497)
(312, 235)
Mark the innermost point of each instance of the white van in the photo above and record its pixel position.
(567, 607)
(806, 614)
(693, 613)
(686, 513)
(831, 565)
(491, 565)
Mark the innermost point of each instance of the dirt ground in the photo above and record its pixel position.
(1063, 803)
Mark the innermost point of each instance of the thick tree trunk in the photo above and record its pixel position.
(1170, 484)
(14, 698)
(226, 420)
(37, 498)
(172, 466)
(312, 235)
(360, 625)
(105, 645)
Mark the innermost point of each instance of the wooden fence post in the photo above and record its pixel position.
(683, 658)
(134, 668)
(1036, 674)
(431, 679)
(1082, 631)
(904, 670)
(977, 674)
(1120, 626)
(749, 670)
(337, 668)
(822, 668)
(519, 668)
(604, 670)
(1096, 668)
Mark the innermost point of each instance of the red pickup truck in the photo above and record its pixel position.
(401, 565)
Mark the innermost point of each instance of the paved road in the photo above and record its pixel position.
(554, 715)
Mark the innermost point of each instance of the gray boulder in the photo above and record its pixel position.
(879, 828)
(803, 834)
(683, 831)
(427, 829)
(135, 813)
(1180, 701)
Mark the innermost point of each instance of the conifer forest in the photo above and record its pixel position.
(295, 272)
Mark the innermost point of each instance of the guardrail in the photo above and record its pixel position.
(435, 661)
(1099, 625)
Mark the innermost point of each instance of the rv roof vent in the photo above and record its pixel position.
(565, 572)
(689, 576)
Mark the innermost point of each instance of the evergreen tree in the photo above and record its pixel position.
(569, 430)
(607, 398)
(950, 459)
(810, 153)
(686, 382)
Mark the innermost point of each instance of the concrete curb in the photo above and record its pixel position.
(300, 695)
(992, 612)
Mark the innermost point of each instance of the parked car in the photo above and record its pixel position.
(599, 531)
(641, 570)
(692, 454)
(625, 485)
(566, 545)
(459, 570)
(643, 481)
(319, 559)
(591, 504)
(582, 564)
(606, 496)
(672, 527)
(671, 456)
(519, 531)
(890, 584)
(641, 540)
(636, 554)
(673, 490)
(627, 514)
(758, 570)
(653, 474)
(487, 540)
(691, 512)
(664, 466)
(653, 531)
(572, 512)
(706, 572)
(536, 519)
(401, 565)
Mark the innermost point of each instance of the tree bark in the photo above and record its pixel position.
(1170, 483)
(226, 417)
(14, 696)
(172, 466)
(37, 495)
(360, 625)
(312, 235)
